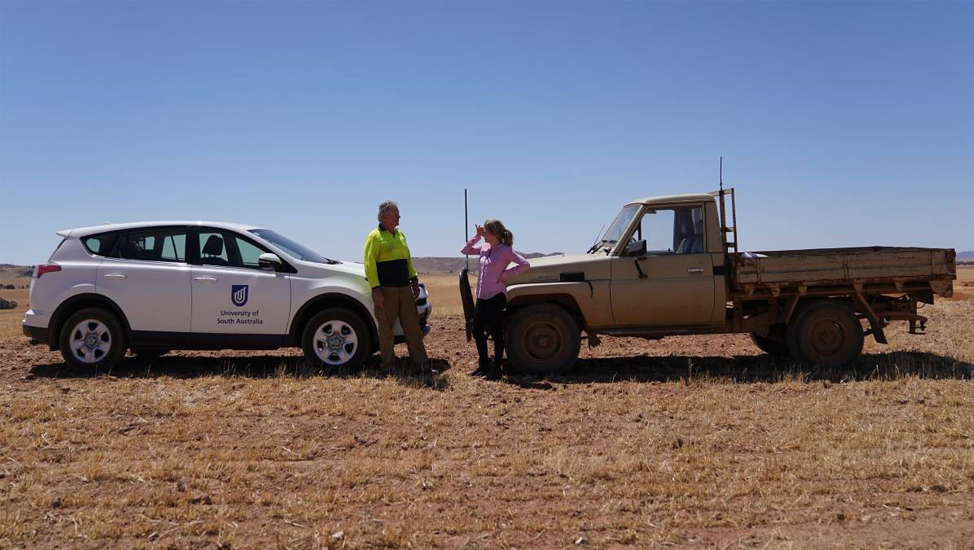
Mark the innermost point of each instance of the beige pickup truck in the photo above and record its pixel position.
(669, 266)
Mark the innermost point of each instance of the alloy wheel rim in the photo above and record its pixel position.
(90, 341)
(335, 342)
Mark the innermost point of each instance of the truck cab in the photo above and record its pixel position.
(659, 264)
(667, 263)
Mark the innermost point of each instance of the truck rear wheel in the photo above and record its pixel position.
(336, 338)
(774, 343)
(825, 334)
(543, 339)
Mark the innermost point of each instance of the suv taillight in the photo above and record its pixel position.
(45, 268)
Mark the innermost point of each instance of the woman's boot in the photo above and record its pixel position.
(482, 368)
(494, 371)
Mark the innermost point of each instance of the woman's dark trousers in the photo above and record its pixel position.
(489, 316)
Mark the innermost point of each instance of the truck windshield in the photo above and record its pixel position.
(616, 229)
(294, 249)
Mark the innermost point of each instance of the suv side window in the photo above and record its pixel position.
(213, 248)
(102, 244)
(174, 248)
(224, 248)
(249, 253)
(159, 245)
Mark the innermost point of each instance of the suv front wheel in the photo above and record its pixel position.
(92, 338)
(336, 338)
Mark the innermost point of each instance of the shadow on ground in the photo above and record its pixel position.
(676, 368)
(261, 366)
(756, 368)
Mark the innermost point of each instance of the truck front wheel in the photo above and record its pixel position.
(825, 334)
(543, 339)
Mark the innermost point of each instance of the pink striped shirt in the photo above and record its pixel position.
(493, 267)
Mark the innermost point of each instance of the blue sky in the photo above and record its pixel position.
(841, 124)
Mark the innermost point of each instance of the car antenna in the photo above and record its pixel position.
(721, 175)
(594, 244)
(466, 227)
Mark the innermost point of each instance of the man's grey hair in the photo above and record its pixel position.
(385, 207)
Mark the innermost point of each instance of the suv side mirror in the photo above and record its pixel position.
(269, 262)
(637, 248)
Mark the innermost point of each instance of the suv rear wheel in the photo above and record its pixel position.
(543, 339)
(336, 338)
(92, 338)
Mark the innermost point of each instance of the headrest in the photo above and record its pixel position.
(213, 246)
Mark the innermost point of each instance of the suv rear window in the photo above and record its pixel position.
(100, 245)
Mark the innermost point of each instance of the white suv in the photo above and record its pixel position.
(157, 286)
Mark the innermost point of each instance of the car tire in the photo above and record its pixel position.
(774, 344)
(825, 334)
(542, 339)
(92, 338)
(336, 339)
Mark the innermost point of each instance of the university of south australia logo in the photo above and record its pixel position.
(238, 295)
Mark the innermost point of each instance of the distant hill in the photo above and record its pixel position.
(435, 265)
(966, 255)
(10, 271)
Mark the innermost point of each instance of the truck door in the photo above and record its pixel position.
(672, 283)
(231, 294)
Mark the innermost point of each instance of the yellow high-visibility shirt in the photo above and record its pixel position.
(387, 259)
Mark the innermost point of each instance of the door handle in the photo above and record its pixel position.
(695, 270)
(115, 276)
(205, 279)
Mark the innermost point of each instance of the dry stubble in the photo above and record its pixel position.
(685, 441)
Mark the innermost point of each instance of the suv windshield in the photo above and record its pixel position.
(294, 249)
(618, 227)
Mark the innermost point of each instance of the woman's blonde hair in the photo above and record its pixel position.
(497, 229)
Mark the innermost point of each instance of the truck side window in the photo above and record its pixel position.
(688, 230)
(672, 230)
(656, 228)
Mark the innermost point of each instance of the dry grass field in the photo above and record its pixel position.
(689, 442)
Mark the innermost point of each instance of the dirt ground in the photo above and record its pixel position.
(689, 442)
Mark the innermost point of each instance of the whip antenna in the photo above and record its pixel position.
(466, 296)
(721, 174)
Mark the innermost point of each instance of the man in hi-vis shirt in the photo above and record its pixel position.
(395, 287)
